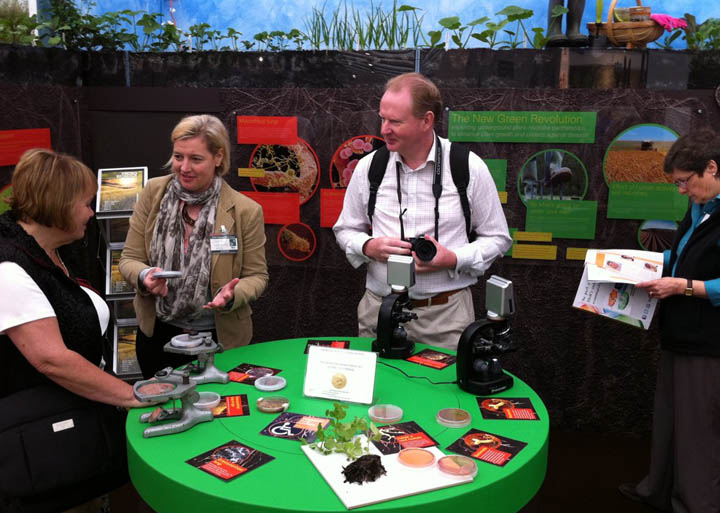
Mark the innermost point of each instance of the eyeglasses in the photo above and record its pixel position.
(683, 183)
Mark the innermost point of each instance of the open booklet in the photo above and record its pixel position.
(606, 287)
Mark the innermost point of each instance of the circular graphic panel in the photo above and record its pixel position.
(288, 168)
(5, 193)
(348, 155)
(637, 155)
(552, 175)
(656, 235)
(296, 241)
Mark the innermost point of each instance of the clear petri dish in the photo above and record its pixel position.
(453, 417)
(270, 383)
(207, 400)
(186, 340)
(385, 413)
(457, 465)
(273, 404)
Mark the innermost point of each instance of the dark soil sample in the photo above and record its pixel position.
(365, 468)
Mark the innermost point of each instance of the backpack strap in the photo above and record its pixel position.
(375, 176)
(460, 169)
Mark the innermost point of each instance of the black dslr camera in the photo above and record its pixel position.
(423, 248)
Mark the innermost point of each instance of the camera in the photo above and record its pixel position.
(423, 248)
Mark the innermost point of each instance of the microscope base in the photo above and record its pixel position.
(394, 353)
(488, 387)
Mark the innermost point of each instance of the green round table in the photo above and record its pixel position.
(291, 483)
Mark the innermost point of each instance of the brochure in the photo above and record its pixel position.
(340, 344)
(432, 358)
(230, 460)
(118, 190)
(247, 373)
(507, 408)
(295, 426)
(232, 406)
(402, 436)
(606, 287)
(487, 447)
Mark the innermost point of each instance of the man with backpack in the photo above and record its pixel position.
(420, 185)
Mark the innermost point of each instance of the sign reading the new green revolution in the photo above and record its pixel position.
(564, 219)
(522, 126)
(498, 170)
(631, 200)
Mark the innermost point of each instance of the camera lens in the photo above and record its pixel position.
(424, 249)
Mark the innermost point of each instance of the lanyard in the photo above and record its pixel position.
(436, 187)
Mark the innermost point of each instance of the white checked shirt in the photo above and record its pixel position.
(488, 221)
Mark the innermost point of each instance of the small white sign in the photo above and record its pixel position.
(340, 374)
(63, 425)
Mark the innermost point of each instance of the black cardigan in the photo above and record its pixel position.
(76, 315)
(691, 325)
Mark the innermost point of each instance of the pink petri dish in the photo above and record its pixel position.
(457, 465)
(416, 457)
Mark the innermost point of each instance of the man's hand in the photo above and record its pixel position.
(381, 248)
(226, 294)
(155, 286)
(444, 259)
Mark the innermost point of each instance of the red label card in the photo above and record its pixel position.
(415, 440)
(278, 207)
(331, 203)
(267, 130)
(14, 143)
(223, 468)
(492, 456)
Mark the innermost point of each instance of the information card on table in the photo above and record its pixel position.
(340, 374)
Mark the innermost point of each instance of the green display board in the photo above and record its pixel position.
(498, 170)
(564, 219)
(630, 200)
(522, 126)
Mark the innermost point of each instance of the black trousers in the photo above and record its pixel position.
(149, 350)
(684, 472)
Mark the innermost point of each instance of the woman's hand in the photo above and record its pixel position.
(664, 287)
(226, 294)
(155, 286)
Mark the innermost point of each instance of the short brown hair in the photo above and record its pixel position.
(212, 131)
(425, 95)
(46, 185)
(693, 152)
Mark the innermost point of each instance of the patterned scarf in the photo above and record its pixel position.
(187, 294)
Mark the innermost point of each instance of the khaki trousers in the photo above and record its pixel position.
(437, 325)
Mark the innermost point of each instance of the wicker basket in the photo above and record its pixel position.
(630, 34)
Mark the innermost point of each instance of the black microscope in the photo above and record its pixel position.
(479, 370)
(392, 341)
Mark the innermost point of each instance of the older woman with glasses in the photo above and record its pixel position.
(685, 457)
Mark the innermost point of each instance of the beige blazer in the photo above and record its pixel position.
(241, 216)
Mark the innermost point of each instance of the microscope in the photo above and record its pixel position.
(479, 370)
(392, 339)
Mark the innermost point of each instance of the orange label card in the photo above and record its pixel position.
(278, 207)
(331, 203)
(267, 130)
(14, 143)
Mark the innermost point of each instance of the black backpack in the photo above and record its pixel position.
(459, 168)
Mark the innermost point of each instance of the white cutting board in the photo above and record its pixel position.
(400, 480)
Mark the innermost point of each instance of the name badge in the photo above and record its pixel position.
(223, 243)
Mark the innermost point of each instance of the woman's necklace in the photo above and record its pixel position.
(55, 258)
(186, 217)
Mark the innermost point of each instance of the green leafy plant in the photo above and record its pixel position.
(341, 437)
(16, 25)
(703, 36)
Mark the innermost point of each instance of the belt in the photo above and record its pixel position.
(438, 299)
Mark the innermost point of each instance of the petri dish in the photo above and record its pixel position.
(416, 457)
(385, 413)
(270, 383)
(453, 417)
(207, 400)
(156, 388)
(186, 340)
(273, 404)
(457, 465)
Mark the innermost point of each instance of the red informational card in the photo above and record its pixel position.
(230, 460)
(13, 143)
(507, 408)
(247, 373)
(331, 203)
(278, 207)
(402, 435)
(232, 406)
(431, 358)
(487, 447)
(267, 130)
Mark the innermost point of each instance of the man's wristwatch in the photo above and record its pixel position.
(689, 288)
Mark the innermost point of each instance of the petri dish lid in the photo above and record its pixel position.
(186, 340)
(270, 383)
(453, 417)
(207, 400)
(457, 465)
(385, 413)
(416, 457)
(273, 404)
